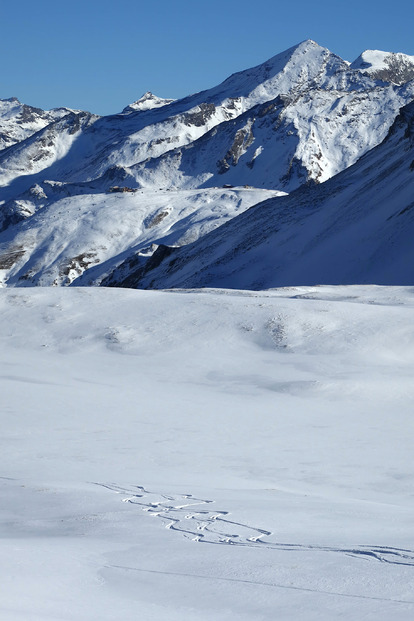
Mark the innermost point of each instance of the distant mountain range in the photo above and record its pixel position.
(101, 200)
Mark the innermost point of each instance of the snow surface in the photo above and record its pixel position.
(210, 455)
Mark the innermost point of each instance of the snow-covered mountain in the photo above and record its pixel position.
(87, 192)
(304, 115)
(273, 426)
(356, 228)
(19, 121)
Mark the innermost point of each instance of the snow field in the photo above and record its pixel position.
(214, 454)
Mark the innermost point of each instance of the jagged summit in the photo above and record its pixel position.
(148, 101)
(392, 67)
(302, 116)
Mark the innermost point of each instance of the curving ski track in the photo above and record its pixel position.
(184, 513)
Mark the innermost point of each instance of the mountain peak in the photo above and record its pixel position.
(392, 67)
(148, 101)
(11, 100)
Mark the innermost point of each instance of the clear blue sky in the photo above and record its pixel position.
(100, 56)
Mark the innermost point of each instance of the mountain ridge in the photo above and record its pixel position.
(129, 140)
(295, 121)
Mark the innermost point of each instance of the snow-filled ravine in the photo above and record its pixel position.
(208, 455)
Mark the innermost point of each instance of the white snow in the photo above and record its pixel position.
(68, 235)
(355, 228)
(210, 455)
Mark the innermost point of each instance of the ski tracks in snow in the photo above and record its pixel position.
(196, 520)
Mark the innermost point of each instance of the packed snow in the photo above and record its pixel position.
(210, 454)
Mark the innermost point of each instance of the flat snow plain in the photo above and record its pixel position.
(207, 455)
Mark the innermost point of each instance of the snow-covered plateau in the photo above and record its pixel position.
(207, 454)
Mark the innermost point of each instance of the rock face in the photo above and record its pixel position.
(291, 123)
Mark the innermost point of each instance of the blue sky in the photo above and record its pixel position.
(100, 56)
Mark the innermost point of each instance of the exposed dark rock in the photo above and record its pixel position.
(10, 257)
(131, 281)
(398, 70)
(149, 223)
(200, 118)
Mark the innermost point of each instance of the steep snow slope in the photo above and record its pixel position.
(75, 227)
(327, 115)
(19, 121)
(297, 119)
(356, 228)
(207, 456)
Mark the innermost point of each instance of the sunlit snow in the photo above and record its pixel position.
(209, 455)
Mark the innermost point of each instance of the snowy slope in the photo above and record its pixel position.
(46, 149)
(211, 455)
(126, 139)
(70, 228)
(327, 115)
(19, 121)
(355, 228)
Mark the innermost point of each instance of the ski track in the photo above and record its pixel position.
(184, 513)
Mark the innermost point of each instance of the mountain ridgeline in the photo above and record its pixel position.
(193, 192)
